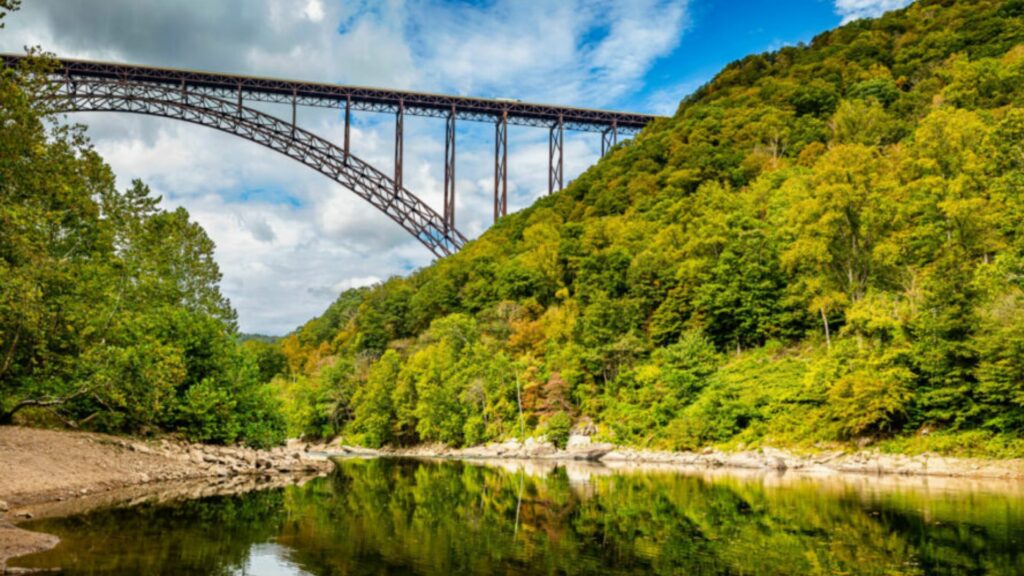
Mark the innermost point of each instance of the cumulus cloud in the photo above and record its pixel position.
(289, 240)
(314, 10)
(565, 52)
(851, 10)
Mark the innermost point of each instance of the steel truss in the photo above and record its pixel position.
(229, 86)
(399, 144)
(218, 101)
(426, 225)
(449, 169)
(501, 167)
(609, 138)
(556, 136)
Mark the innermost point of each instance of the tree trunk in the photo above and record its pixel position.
(824, 320)
(519, 401)
(10, 353)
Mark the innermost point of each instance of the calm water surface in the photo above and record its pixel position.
(409, 517)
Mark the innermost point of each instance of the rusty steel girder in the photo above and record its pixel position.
(449, 169)
(231, 86)
(609, 138)
(338, 164)
(501, 167)
(218, 101)
(556, 165)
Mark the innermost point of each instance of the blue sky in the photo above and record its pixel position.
(721, 31)
(288, 240)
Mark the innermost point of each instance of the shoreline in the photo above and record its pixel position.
(16, 541)
(829, 463)
(108, 471)
(51, 473)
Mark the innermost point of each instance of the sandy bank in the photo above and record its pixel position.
(53, 473)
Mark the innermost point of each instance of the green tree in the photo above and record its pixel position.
(374, 412)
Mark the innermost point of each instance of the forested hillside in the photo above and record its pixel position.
(111, 317)
(825, 244)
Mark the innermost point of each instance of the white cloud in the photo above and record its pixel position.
(855, 9)
(565, 52)
(349, 283)
(314, 10)
(288, 240)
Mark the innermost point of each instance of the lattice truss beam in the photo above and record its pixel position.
(338, 164)
(218, 101)
(359, 98)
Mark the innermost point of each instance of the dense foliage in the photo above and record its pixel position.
(824, 244)
(110, 312)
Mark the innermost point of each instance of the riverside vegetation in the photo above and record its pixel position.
(111, 317)
(823, 246)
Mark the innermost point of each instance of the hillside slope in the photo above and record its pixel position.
(823, 245)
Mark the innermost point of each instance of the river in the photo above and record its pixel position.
(391, 516)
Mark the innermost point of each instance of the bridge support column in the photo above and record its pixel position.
(449, 170)
(399, 150)
(609, 138)
(295, 97)
(555, 138)
(501, 166)
(348, 121)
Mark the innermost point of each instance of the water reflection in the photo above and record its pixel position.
(414, 517)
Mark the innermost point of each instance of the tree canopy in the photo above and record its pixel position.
(111, 316)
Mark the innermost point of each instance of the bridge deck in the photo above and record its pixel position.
(231, 86)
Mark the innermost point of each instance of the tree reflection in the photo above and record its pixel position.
(403, 516)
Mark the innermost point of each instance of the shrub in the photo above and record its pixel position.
(557, 428)
(474, 431)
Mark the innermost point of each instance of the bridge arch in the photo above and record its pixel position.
(372, 185)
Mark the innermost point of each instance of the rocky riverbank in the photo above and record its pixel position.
(820, 464)
(46, 472)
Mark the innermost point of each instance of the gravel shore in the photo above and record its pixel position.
(52, 473)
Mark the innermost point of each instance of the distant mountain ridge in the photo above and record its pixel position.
(246, 337)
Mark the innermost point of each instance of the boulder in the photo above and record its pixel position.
(577, 441)
(140, 448)
(594, 453)
(775, 459)
(540, 448)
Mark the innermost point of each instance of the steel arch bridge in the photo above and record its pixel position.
(218, 101)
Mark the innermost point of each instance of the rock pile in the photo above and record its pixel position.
(200, 460)
(578, 448)
(581, 447)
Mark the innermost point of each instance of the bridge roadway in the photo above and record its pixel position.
(200, 97)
